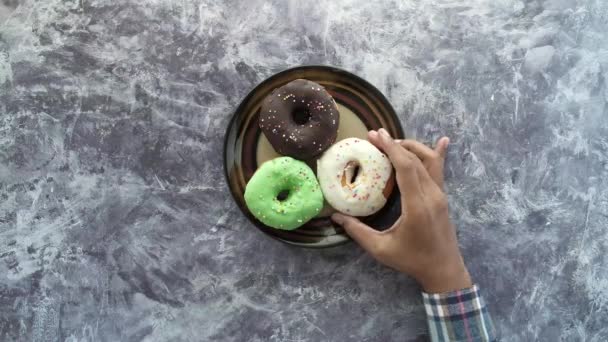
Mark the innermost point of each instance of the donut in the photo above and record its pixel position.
(355, 177)
(283, 193)
(300, 119)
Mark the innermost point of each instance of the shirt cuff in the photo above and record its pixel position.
(458, 316)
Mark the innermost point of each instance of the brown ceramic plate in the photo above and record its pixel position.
(353, 95)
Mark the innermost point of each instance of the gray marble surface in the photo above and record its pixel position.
(116, 223)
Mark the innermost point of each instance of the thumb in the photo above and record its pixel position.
(366, 237)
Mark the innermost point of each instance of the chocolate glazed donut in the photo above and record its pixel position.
(300, 119)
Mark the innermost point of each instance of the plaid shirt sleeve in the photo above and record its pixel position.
(458, 316)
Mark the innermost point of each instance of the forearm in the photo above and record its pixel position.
(458, 316)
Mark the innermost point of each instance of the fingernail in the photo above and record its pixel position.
(443, 142)
(339, 219)
(384, 132)
(398, 141)
(373, 133)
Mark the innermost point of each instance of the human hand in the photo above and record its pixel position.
(432, 159)
(422, 243)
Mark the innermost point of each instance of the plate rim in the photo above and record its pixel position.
(390, 111)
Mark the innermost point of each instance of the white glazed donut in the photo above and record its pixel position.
(360, 194)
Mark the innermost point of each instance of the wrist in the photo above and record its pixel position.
(446, 279)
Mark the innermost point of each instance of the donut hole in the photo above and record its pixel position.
(355, 173)
(283, 195)
(351, 173)
(301, 116)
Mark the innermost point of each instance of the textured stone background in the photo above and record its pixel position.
(116, 224)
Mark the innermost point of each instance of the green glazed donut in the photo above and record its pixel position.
(284, 193)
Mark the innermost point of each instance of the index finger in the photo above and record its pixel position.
(419, 149)
(404, 163)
